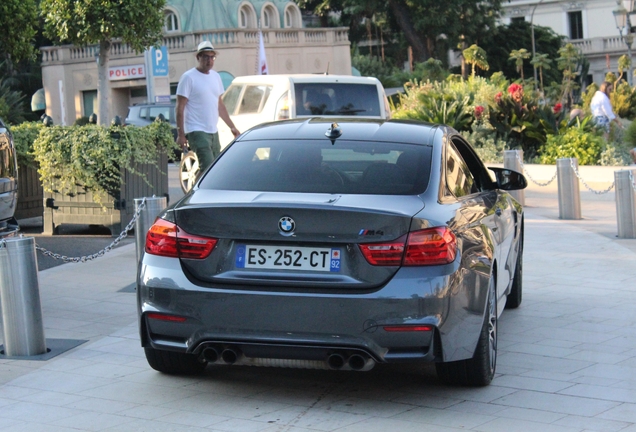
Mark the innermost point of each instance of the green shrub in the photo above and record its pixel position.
(93, 156)
(573, 143)
(24, 135)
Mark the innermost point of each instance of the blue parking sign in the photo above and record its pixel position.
(159, 58)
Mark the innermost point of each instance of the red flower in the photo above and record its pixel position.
(498, 97)
(514, 88)
(516, 92)
(557, 108)
(479, 110)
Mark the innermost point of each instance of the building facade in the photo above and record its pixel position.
(588, 24)
(69, 73)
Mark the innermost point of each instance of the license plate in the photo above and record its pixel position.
(288, 258)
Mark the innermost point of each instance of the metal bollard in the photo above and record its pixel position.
(154, 206)
(512, 161)
(625, 203)
(20, 297)
(569, 194)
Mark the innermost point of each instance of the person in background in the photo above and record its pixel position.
(601, 108)
(199, 106)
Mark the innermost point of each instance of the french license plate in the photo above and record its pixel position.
(288, 258)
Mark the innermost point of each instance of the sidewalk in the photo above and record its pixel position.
(567, 356)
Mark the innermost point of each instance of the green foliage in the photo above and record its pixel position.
(485, 142)
(476, 56)
(11, 103)
(623, 100)
(573, 143)
(24, 135)
(18, 21)
(375, 67)
(518, 56)
(81, 121)
(94, 156)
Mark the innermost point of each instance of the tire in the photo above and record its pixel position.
(173, 363)
(516, 292)
(479, 370)
(188, 170)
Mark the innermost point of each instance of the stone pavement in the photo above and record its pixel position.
(567, 356)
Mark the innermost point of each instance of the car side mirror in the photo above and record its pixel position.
(507, 179)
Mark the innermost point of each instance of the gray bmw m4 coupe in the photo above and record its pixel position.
(316, 244)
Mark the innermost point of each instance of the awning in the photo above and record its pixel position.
(38, 101)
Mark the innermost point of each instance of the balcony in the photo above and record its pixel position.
(221, 38)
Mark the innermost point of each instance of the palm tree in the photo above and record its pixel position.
(476, 57)
(542, 62)
(518, 56)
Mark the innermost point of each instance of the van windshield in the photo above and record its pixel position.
(337, 99)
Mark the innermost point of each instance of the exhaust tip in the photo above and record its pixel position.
(357, 362)
(210, 355)
(229, 356)
(335, 361)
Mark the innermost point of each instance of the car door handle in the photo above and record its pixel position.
(498, 212)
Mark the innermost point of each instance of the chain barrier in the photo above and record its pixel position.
(586, 185)
(575, 172)
(108, 248)
(530, 177)
(631, 180)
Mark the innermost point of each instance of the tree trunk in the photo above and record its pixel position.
(103, 86)
(402, 16)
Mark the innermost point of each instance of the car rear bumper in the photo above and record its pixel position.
(311, 326)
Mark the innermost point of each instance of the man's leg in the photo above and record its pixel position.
(201, 144)
(216, 145)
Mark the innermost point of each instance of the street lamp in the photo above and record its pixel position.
(623, 22)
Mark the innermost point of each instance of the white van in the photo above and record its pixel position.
(256, 99)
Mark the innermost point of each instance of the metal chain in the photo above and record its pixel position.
(108, 248)
(631, 179)
(585, 184)
(530, 177)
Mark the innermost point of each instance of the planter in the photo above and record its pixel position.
(30, 193)
(116, 211)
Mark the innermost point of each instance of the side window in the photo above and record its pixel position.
(155, 111)
(459, 179)
(143, 113)
(253, 99)
(231, 96)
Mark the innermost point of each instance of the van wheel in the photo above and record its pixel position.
(479, 370)
(188, 170)
(175, 363)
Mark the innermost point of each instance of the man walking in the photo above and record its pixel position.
(199, 107)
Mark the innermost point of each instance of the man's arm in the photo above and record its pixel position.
(181, 138)
(226, 118)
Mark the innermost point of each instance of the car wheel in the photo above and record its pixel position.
(514, 298)
(479, 370)
(188, 170)
(171, 362)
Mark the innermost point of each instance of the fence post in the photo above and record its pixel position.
(625, 203)
(154, 206)
(20, 297)
(569, 194)
(512, 161)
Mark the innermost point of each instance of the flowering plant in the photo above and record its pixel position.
(479, 110)
(557, 108)
(516, 92)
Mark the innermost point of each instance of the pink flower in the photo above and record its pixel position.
(516, 92)
(479, 110)
(557, 108)
(498, 97)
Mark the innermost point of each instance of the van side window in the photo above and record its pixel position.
(231, 96)
(337, 99)
(253, 99)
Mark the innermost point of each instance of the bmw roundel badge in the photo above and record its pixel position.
(286, 225)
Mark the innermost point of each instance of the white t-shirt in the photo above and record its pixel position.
(601, 106)
(203, 92)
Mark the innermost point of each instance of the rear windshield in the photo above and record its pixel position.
(337, 99)
(348, 167)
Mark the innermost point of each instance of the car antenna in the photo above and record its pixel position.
(327, 71)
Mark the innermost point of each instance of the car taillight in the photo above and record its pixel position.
(384, 254)
(283, 108)
(167, 239)
(432, 246)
